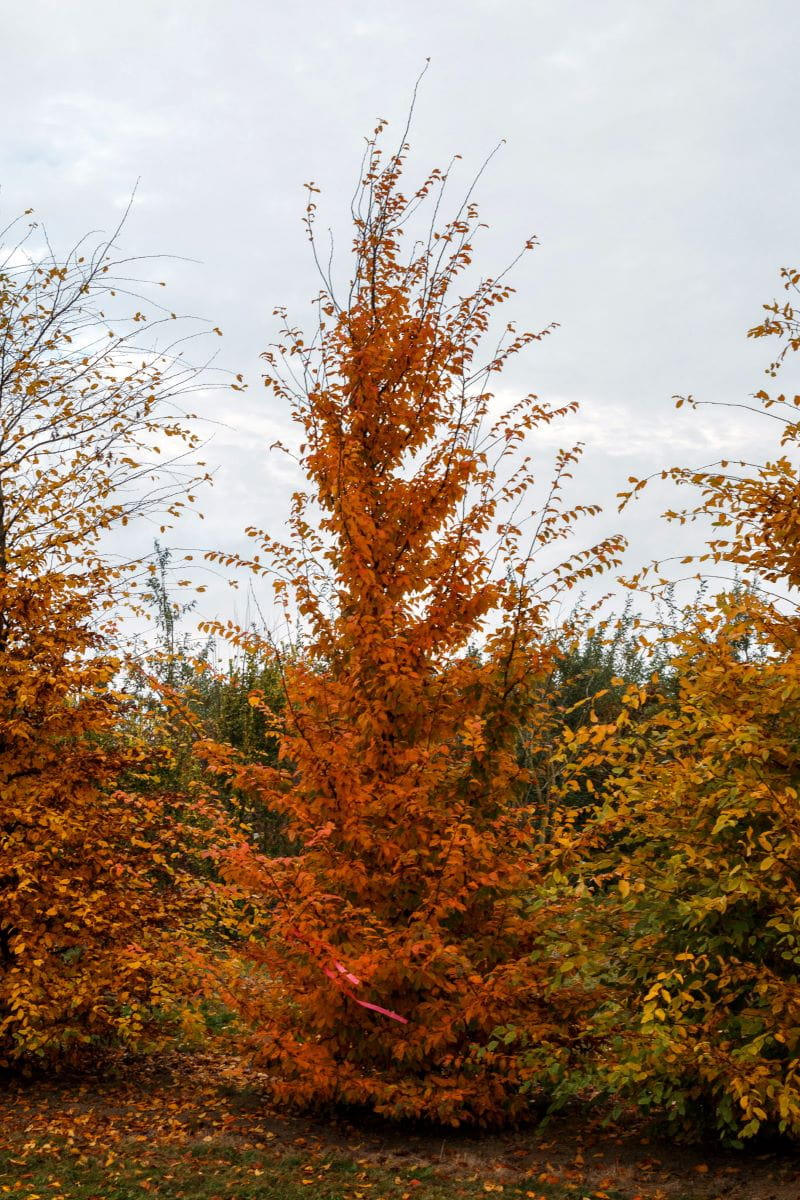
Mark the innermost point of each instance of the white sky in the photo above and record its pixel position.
(651, 146)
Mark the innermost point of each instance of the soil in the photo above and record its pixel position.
(184, 1100)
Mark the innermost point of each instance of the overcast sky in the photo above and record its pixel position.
(651, 147)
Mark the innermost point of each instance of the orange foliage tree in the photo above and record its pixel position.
(400, 934)
(90, 862)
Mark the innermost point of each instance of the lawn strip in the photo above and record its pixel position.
(218, 1170)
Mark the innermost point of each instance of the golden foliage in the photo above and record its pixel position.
(94, 878)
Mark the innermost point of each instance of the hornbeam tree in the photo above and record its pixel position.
(399, 934)
(754, 508)
(701, 927)
(90, 862)
(704, 923)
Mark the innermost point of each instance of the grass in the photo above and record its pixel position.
(198, 1127)
(209, 1171)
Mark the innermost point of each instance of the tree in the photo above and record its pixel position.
(754, 508)
(701, 806)
(400, 935)
(703, 855)
(92, 886)
(182, 692)
(596, 662)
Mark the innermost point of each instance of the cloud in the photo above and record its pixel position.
(651, 153)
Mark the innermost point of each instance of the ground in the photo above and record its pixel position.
(199, 1127)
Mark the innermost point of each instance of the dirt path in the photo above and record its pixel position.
(212, 1099)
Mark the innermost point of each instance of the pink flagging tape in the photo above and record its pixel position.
(342, 969)
(385, 1012)
(341, 972)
